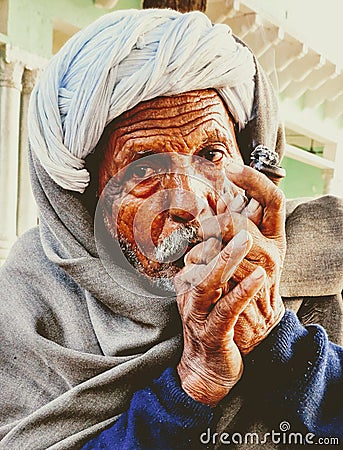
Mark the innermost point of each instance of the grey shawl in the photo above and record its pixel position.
(75, 344)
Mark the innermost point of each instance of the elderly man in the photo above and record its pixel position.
(153, 112)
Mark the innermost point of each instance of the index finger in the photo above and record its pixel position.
(221, 268)
(258, 186)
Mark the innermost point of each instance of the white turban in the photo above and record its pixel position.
(120, 60)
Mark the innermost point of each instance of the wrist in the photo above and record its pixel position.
(205, 388)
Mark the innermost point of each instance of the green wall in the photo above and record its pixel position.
(30, 22)
(301, 180)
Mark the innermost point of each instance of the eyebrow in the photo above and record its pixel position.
(217, 135)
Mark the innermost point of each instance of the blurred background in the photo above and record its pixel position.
(299, 44)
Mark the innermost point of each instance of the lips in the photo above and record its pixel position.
(176, 245)
(170, 269)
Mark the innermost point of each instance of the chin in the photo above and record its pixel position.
(160, 275)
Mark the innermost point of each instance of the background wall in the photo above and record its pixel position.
(30, 32)
(302, 178)
(31, 24)
(317, 23)
(298, 45)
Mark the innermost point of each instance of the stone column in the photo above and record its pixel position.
(27, 210)
(336, 185)
(327, 175)
(10, 91)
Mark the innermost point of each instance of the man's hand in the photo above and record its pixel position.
(211, 363)
(267, 228)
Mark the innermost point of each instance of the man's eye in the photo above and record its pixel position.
(141, 171)
(211, 154)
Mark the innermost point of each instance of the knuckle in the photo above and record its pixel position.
(278, 198)
(222, 312)
(268, 261)
(200, 290)
(224, 257)
(241, 291)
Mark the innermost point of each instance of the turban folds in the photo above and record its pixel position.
(122, 59)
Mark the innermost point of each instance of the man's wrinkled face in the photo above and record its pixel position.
(162, 174)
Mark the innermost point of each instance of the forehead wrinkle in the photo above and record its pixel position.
(168, 121)
(219, 125)
(158, 110)
(139, 143)
(138, 137)
(131, 142)
(169, 108)
(142, 128)
(178, 101)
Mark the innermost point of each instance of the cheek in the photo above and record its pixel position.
(139, 221)
(124, 223)
(142, 189)
(123, 217)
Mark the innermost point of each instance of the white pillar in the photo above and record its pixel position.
(27, 209)
(336, 185)
(10, 91)
(327, 175)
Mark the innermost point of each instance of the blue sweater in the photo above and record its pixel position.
(296, 374)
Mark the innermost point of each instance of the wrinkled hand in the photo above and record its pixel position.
(264, 218)
(211, 362)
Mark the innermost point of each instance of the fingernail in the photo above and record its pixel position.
(242, 238)
(237, 203)
(234, 167)
(258, 273)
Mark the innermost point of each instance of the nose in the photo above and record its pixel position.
(183, 204)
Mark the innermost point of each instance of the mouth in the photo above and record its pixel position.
(168, 259)
(174, 247)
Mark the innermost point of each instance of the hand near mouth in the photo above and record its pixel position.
(229, 302)
(268, 250)
(211, 363)
(264, 219)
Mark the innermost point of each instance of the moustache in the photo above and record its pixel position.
(174, 246)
